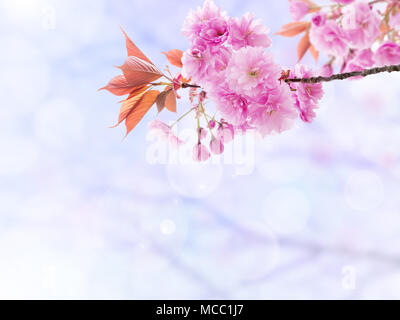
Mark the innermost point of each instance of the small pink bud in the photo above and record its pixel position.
(211, 124)
(200, 153)
(176, 85)
(216, 146)
(203, 96)
(319, 19)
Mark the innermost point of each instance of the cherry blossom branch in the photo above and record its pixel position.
(246, 94)
(339, 76)
(343, 76)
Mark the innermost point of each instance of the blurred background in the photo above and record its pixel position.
(315, 214)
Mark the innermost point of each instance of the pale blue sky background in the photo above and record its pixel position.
(83, 215)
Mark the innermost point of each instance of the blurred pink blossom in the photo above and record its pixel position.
(298, 9)
(388, 54)
(329, 38)
(361, 25)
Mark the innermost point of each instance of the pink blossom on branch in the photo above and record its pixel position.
(228, 62)
(247, 32)
(329, 38)
(274, 112)
(196, 21)
(362, 59)
(232, 106)
(306, 96)
(214, 31)
(250, 70)
(388, 54)
(361, 25)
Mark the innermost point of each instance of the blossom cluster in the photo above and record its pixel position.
(229, 59)
(229, 63)
(354, 34)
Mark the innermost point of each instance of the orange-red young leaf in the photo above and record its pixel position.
(133, 50)
(303, 46)
(293, 28)
(118, 86)
(139, 72)
(314, 9)
(160, 101)
(140, 109)
(175, 57)
(137, 91)
(170, 101)
(314, 52)
(130, 103)
(183, 80)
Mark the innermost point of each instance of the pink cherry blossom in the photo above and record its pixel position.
(274, 113)
(196, 20)
(251, 69)
(220, 62)
(329, 38)
(214, 31)
(388, 54)
(246, 31)
(306, 95)
(196, 61)
(202, 63)
(362, 59)
(298, 9)
(232, 106)
(361, 25)
(228, 61)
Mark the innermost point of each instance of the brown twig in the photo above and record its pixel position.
(188, 85)
(343, 76)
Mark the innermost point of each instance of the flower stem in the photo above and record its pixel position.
(183, 116)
